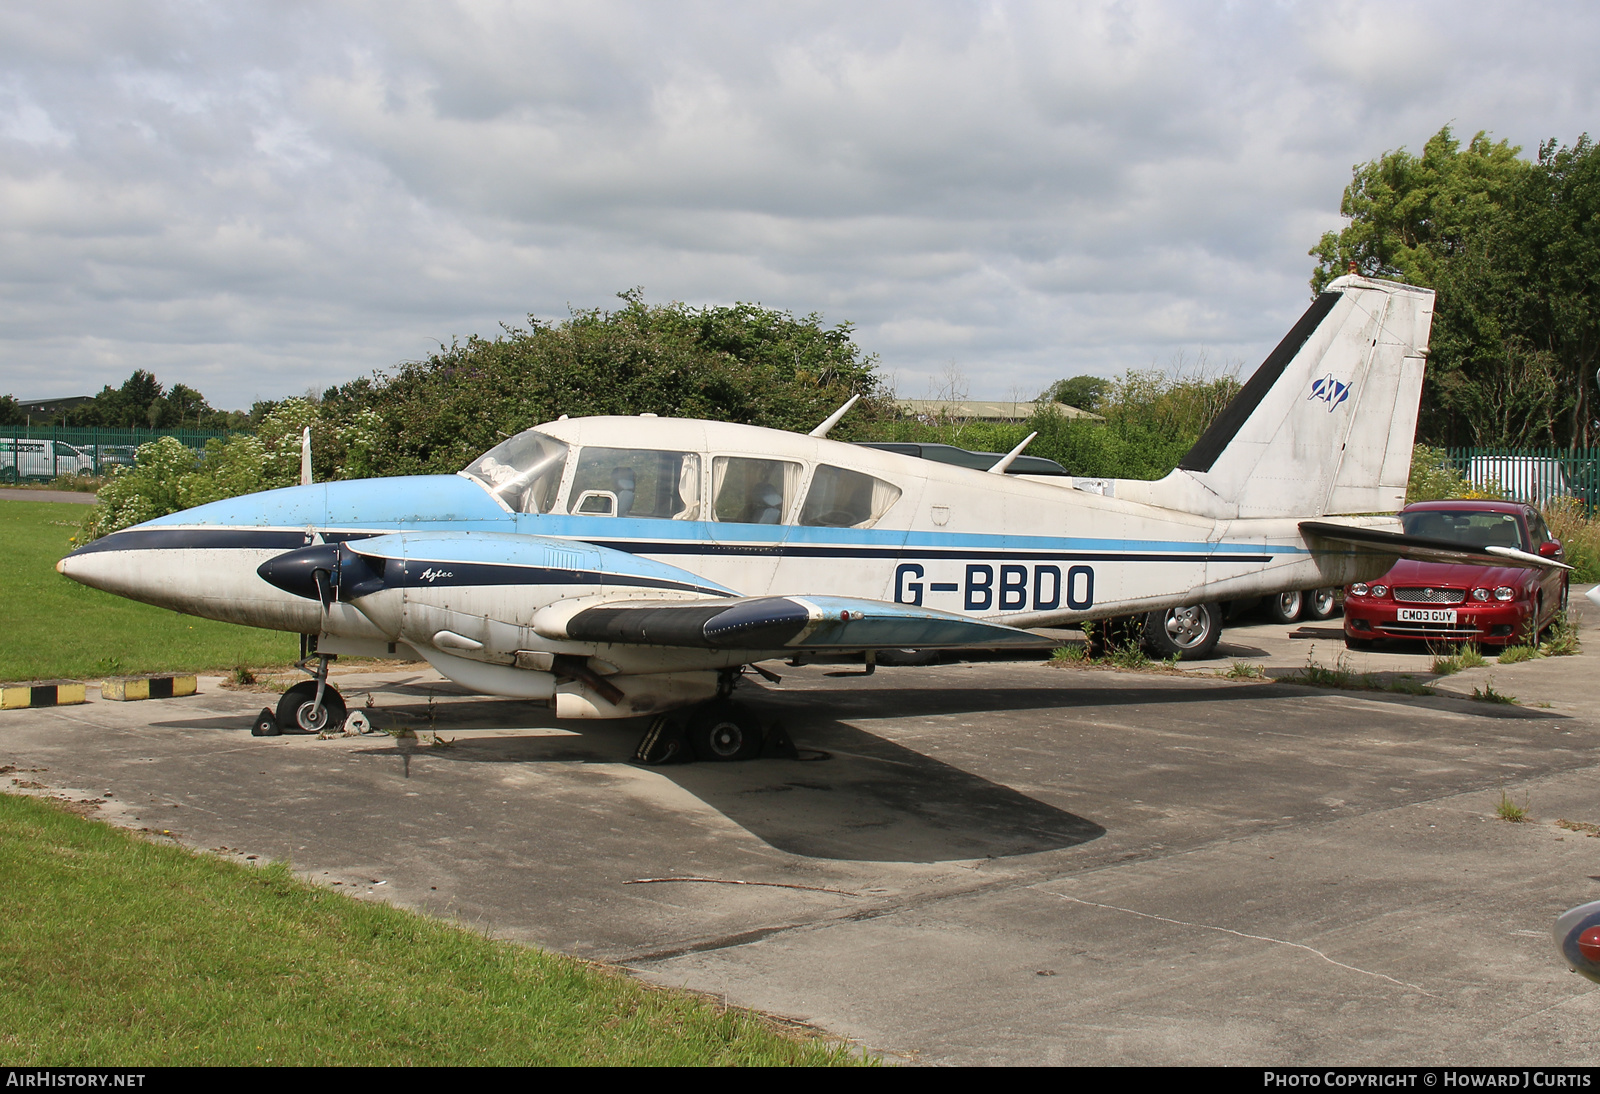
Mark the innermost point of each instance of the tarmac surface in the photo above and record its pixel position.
(71, 497)
(995, 863)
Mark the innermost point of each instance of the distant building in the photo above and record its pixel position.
(985, 410)
(46, 407)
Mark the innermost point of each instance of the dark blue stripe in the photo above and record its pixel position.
(178, 539)
(452, 574)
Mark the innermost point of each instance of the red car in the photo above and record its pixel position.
(1490, 605)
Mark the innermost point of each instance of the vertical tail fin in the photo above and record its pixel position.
(1326, 423)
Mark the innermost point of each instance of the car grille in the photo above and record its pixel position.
(1430, 596)
(1429, 630)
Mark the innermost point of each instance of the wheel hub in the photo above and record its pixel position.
(312, 718)
(1186, 626)
(726, 739)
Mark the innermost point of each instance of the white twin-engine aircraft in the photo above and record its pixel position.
(623, 566)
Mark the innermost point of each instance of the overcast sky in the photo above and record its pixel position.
(255, 199)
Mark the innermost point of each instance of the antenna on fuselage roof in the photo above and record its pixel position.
(1004, 462)
(833, 419)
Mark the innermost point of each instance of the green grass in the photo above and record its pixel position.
(118, 952)
(1341, 675)
(1509, 810)
(1069, 655)
(1487, 694)
(54, 627)
(1562, 639)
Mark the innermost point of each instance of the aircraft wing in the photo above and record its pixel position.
(788, 622)
(1426, 549)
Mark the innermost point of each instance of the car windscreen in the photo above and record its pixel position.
(1472, 528)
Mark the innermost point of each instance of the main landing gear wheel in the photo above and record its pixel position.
(1285, 607)
(1321, 604)
(298, 710)
(721, 731)
(1190, 633)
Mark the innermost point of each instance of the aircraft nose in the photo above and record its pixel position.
(103, 564)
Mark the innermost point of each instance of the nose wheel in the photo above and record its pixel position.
(300, 711)
(311, 706)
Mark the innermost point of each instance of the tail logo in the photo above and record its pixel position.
(1329, 391)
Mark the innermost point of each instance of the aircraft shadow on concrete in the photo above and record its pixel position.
(871, 799)
(867, 799)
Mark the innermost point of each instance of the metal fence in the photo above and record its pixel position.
(1535, 475)
(42, 453)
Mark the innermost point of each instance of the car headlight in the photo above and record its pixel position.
(1359, 589)
(1504, 592)
(1380, 590)
(1480, 594)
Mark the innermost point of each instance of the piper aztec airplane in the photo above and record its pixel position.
(622, 566)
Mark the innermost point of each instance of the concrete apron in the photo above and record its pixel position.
(997, 863)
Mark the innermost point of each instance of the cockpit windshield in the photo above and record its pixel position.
(524, 472)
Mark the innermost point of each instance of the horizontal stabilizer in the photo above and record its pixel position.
(1426, 549)
(791, 622)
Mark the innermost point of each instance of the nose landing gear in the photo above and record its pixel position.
(311, 706)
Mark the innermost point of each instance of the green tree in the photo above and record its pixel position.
(742, 363)
(1083, 392)
(1510, 247)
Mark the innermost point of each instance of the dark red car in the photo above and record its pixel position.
(1490, 605)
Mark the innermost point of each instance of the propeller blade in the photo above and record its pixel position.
(324, 588)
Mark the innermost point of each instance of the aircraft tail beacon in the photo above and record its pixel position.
(1326, 424)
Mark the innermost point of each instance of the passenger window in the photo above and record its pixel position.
(840, 498)
(637, 482)
(749, 491)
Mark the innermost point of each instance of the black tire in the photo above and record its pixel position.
(1321, 604)
(1189, 633)
(297, 715)
(1284, 607)
(722, 732)
(265, 725)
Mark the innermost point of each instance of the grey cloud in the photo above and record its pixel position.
(254, 200)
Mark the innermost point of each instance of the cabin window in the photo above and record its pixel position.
(841, 498)
(750, 491)
(524, 472)
(637, 482)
